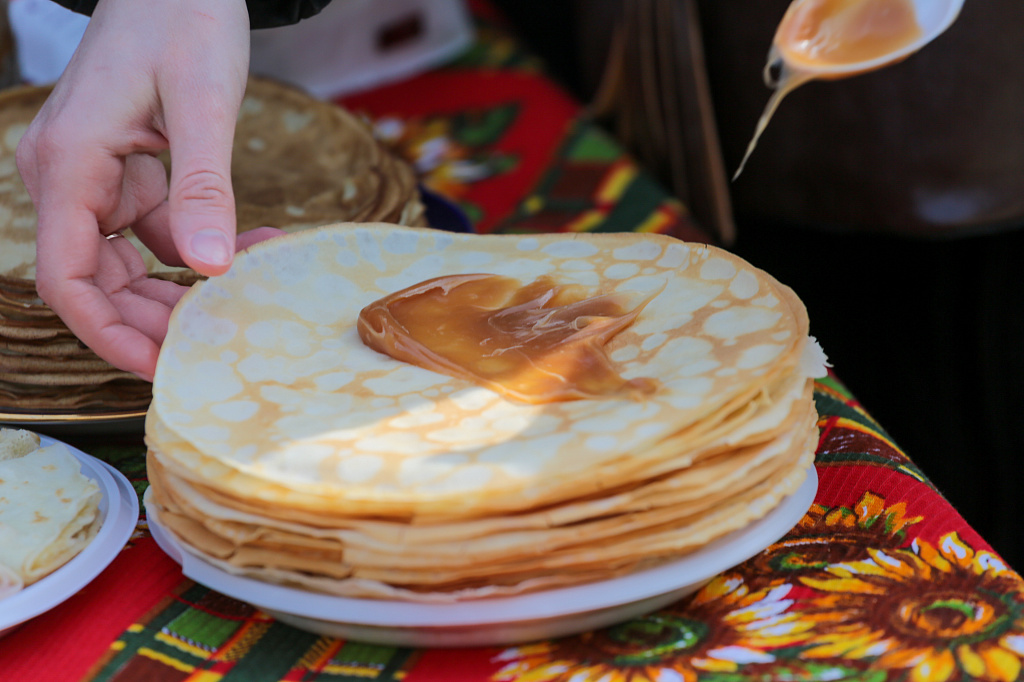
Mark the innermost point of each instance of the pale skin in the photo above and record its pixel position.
(149, 75)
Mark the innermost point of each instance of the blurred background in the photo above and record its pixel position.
(908, 182)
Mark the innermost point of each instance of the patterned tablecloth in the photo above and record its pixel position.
(881, 579)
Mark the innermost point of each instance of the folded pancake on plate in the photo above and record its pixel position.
(297, 162)
(10, 582)
(284, 447)
(16, 443)
(49, 510)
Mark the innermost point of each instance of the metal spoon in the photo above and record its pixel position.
(789, 67)
(932, 17)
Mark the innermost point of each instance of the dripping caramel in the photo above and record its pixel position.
(536, 343)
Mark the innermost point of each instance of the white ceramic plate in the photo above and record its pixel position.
(76, 424)
(119, 510)
(508, 620)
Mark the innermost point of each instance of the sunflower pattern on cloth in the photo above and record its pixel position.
(926, 613)
(889, 585)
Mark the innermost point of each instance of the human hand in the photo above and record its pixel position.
(148, 75)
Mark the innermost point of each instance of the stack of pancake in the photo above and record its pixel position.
(283, 448)
(45, 368)
(298, 162)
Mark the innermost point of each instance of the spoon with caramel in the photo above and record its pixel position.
(831, 39)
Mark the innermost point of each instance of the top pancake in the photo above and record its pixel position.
(263, 376)
(48, 509)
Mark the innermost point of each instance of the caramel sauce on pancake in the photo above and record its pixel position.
(817, 34)
(537, 343)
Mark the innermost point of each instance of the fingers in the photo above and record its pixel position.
(80, 195)
(70, 186)
(122, 278)
(200, 108)
(162, 291)
(69, 287)
(153, 230)
(129, 273)
(146, 76)
(143, 189)
(260, 234)
(202, 216)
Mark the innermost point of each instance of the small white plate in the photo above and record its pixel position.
(508, 620)
(119, 510)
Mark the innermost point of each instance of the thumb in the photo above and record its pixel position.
(200, 198)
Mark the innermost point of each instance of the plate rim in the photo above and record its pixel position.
(543, 604)
(69, 417)
(120, 509)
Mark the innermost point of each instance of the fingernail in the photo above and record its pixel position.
(211, 247)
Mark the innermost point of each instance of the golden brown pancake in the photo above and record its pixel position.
(283, 448)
